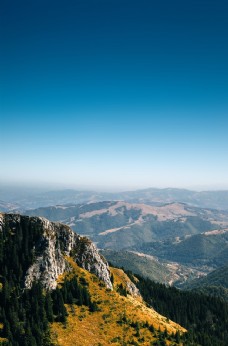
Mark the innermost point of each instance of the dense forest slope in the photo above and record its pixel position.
(215, 283)
(204, 316)
(54, 285)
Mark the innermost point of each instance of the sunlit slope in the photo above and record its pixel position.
(119, 320)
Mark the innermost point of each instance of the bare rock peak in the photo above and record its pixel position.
(54, 242)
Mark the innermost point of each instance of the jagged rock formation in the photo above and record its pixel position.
(85, 254)
(132, 289)
(54, 242)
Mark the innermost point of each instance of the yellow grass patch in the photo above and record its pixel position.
(115, 322)
(2, 340)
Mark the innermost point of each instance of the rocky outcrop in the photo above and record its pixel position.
(85, 254)
(132, 289)
(54, 242)
(1, 221)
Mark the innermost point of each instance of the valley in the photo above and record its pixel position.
(171, 244)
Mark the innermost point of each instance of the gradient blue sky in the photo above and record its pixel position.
(114, 94)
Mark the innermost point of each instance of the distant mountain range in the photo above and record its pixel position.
(122, 225)
(7, 206)
(28, 199)
(168, 235)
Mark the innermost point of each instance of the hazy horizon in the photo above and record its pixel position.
(45, 187)
(114, 94)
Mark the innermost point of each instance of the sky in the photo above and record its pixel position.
(114, 94)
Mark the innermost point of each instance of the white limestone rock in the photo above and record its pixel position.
(132, 289)
(55, 242)
(85, 254)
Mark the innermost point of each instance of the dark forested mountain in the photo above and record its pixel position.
(54, 285)
(32, 256)
(215, 283)
(218, 277)
(199, 313)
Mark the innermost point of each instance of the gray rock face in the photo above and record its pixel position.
(1, 221)
(55, 242)
(85, 254)
(132, 289)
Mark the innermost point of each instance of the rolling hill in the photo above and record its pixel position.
(120, 225)
(215, 283)
(166, 272)
(205, 249)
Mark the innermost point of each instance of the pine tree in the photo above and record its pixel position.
(49, 307)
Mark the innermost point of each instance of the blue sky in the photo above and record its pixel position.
(114, 94)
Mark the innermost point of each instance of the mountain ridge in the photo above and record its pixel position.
(109, 221)
(52, 280)
(30, 198)
(215, 283)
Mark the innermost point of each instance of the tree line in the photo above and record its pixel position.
(25, 314)
(205, 317)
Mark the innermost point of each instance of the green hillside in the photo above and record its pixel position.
(142, 265)
(198, 250)
(215, 283)
(150, 267)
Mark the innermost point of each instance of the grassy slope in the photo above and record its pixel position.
(106, 326)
